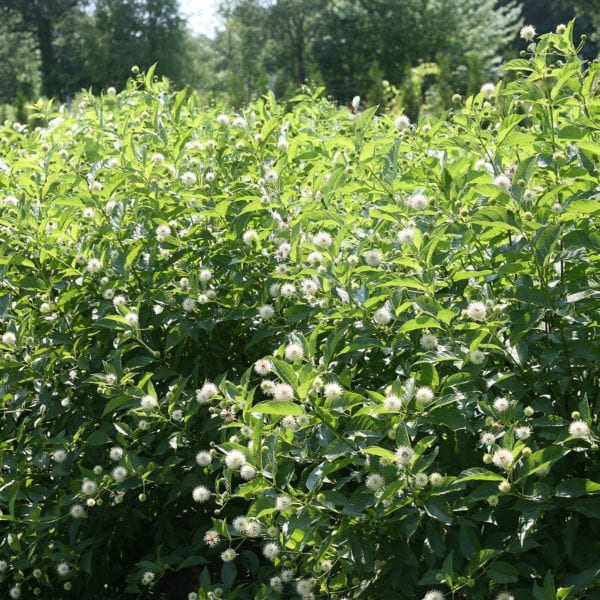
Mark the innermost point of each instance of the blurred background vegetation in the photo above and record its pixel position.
(406, 56)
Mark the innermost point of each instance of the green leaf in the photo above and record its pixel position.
(502, 572)
(274, 407)
(438, 509)
(478, 474)
(548, 591)
(574, 488)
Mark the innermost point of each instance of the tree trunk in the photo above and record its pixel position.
(50, 79)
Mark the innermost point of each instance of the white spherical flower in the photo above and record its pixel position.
(528, 33)
(119, 473)
(503, 181)
(119, 300)
(382, 316)
(433, 595)
(206, 393)
(372, 258)
(234, 459)
(163, 232)
(315, 258)
(188, 304)
(333, 391)
(253, 528)
(356, 103)
(505, 596)
(402, 122)
(222, 119)
(116, 453)
(309, 287)
(201, 494)
(477, 311)
(294, 352)
(211, 538)
(282, 143)
(3, 566)
(247, 472)
(477, 357)
(147, 578)
(15, 592)
(283, 392)
(263, 367)
(93, 265)
(63, 569)
(428, 341)
(239, 122)
(304, 586)
(77, 511)
(266, 312)
(528, 195)
(487, 89)
(271, 176)
(579, 429)
(392, 402)
(421, 480)
(188, 178)
(501, 405)
(418, 201)
(205, 275)
(406, 236)
(132, 319)
(203, 458)
(276, 583)
(148, 402)
(9, 338)
(287, 575)
(228, 555)
(435, 479)
(239, 524)
(502, 458)
(404, 455)
(322, 239)
(523, 433)
(249, 237)
(157, 158)
(287, 290)
(283, 503)
(271, 550)
(89, 487)
(424, 395)
(59, 456)
(487, 438)
(374, 481)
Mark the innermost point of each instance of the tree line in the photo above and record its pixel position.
(408, 53)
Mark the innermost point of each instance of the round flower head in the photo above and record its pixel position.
(9, 338)
(15, 592)
(116, 453)
(283, 503)
(287, 290)
(501, 405)
(211, 538)
(505, 596)
(131, 319)
(421, 480)
(477, 357)
(94, 265)
(523, 433)
(147, 578)
(201, 494)
(374, 481)
(276, 583)
(404, 455)
(206, 392)
(271, 176)
(228, 555)
(503, 181)
(428, 341)
(528, 33)
(402, 123)
(203, 458)
(263, 367)
(477, 311)
(188, 304)
(266, 312)
(424, 395)
(234, 459)
(406, 236)
(487, 89)
(418, 201)
(372, 258)
(89, 487)
(271, 550)
(294, 352)
(253, 529)
(119, 473)
(283, 392)
(188, 179)
(304, 586)
(433, 595)
(77, 511)
(148, 402)
(333, 391)
(579, 429)
(487, 438)
(59, 456)
(392, 402)
(382, 316)
(502, 458)
(249, 237)
(247, 472)
(163, 232)
(322, 239)
(63, 569)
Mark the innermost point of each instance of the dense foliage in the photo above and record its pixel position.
(298, 352)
